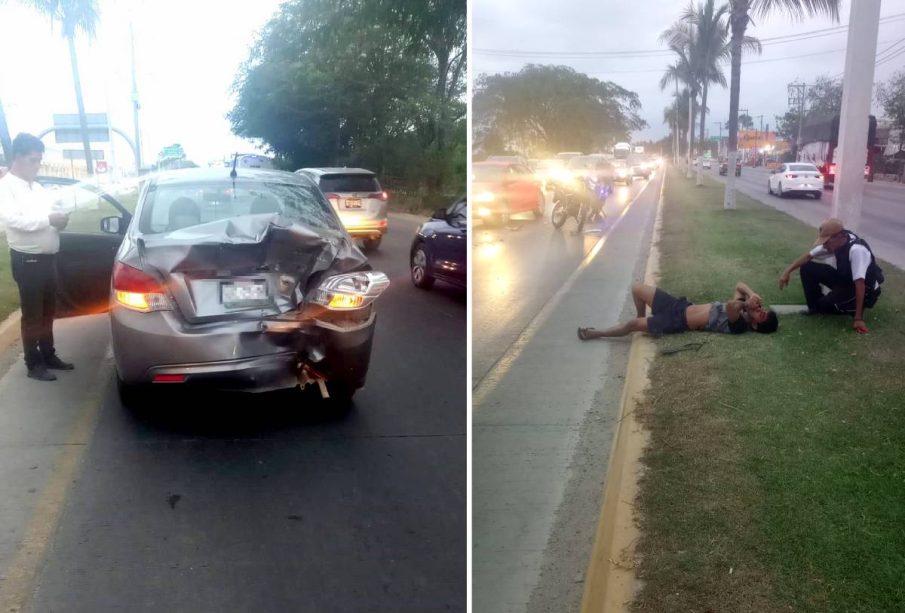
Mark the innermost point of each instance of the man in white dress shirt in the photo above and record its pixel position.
(33, 233)
(844, 264)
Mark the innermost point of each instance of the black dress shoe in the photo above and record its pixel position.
(57, 364)
(40, 373)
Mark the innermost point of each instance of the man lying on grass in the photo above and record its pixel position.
(672, 315)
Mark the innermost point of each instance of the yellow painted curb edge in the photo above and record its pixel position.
(610, 583)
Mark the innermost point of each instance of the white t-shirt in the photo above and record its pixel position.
(24, 211)
(858, 255)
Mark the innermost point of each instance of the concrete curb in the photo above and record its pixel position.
(610, 582)
(9, 329)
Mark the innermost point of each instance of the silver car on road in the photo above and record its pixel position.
(244, 282)
(358, 199)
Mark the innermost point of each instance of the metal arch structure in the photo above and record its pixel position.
(44, 133)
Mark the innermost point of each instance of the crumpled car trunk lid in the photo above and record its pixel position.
(248, 267)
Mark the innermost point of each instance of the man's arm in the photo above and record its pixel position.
(734, 309)
(746, 294)
(858, 324)
(787, 273)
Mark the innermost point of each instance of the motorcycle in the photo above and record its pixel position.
(585, 203)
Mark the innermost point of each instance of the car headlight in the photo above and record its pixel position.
(620, 172)
(484, 212)
(353, 290)
(485, 197)
(563, 175)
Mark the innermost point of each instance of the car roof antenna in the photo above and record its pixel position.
(233, 174)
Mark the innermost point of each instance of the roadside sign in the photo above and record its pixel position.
(101, 167)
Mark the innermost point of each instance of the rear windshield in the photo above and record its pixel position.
(803, 167)
(488, 173)
(349, 183)
(176, 206)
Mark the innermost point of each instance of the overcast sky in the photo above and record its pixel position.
(609, 25)
(187, 54)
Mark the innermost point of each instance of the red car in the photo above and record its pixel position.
(501, 189)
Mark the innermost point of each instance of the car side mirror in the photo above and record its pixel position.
(439, 214)
(112, 225)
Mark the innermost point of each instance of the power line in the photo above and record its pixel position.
(664, 52)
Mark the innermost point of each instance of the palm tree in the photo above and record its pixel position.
(682, 41)
(676, 116)
(74, 16)
(740, 13)
(6, 145)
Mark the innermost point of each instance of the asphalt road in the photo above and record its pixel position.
(882, 210)
(517, 269)
(245, 502)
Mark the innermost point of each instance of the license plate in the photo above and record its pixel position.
(243, 293)
(353, 203)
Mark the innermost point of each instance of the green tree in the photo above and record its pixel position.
(740, 15)
(682, 40)
(376, 83)
(551, 108)
(824, 98)
(891, 95)
(74, 17)
(746, 121)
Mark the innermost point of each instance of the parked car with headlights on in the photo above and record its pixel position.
(503, 189)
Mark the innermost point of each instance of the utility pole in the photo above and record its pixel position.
(136, 106)
(797, 91)
(860, 56)
(755, 137)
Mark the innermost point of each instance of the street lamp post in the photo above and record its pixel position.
(796, 99)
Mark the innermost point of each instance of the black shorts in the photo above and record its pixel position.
(668, 314)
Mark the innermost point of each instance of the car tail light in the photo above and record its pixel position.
(350, 291)
(169, 379)
(137, 290)
(789, 176)
(379, 196)
(832, 170)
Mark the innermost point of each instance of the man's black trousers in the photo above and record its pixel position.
(35, 275)
(841, 298)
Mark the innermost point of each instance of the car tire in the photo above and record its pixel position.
(769, 188)
(541, 206)
(371, 244)
(558, 215)
(818, 195)
(781, 194)
(419, 265)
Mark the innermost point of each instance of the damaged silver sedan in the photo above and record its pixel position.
(245, 282)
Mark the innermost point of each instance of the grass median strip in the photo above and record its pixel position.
(775, 479)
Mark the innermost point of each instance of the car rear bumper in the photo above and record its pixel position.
(364, 223)
(252, 355)
(803, 187)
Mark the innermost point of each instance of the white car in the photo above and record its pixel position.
(358, 198)
(796, 178)
(707, 163)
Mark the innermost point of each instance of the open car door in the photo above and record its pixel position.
(88, 244)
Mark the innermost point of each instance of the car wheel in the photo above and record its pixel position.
(818, 195)
(558, 217)
(769, 188)
(781, 193)
(541, 206)
(371, 244)
(420, 266)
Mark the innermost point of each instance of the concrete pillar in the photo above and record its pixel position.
(858, 82)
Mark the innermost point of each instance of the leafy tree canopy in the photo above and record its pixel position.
(545, 109)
